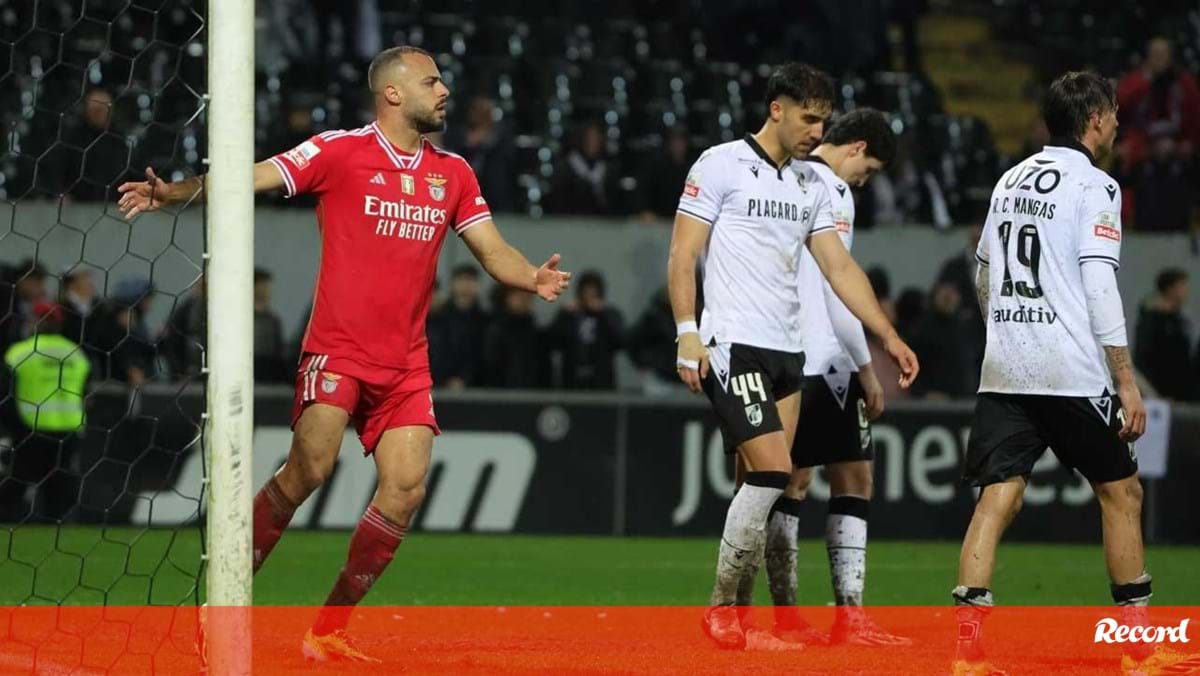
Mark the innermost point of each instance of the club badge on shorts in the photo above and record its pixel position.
(437, 186)
(329, 382)
(754, 414)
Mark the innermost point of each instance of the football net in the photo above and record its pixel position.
(104, 329)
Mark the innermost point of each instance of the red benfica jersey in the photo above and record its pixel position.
(383, 215)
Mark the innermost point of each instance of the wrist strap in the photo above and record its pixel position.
(686, 327)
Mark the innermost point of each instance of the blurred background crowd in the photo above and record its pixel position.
(485, 335)
(593, 109)
(599, 108)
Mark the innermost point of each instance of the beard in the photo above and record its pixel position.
(427, 122)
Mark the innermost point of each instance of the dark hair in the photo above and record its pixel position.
(881, 284)
(465, 270)
(1072, 100)
(910, 305)
(1168, 278)
(383, 60)
(262, 275)
(864, 124)
(801, 83)
(74, 274)
(29, 269)
(590, 278)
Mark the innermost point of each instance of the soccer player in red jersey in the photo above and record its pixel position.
(387, 198)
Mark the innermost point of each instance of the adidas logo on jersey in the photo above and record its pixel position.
(378, 179)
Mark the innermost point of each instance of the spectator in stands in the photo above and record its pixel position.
(1162, 347)
(185, 334)
(584, 181)
(487, 145)
(1157, 100)
(127, 351)
(881, 284)
(910, 307)
(959, 270)
(456, 331)
(939, 341)
(1162, 186)
(652, 344)
(587, 334)
(89, 156)
(270, 346)
(661, 179)
(885, 368)
(514, 350)
(21, 287)
(47, 375)
(79, 302)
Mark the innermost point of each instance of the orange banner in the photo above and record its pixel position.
(586, 639)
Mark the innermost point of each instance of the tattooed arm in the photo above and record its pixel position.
(1108, 324)
(981, 289)
(1119, 362)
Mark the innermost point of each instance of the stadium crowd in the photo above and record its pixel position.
(490, 338)
(586, 112)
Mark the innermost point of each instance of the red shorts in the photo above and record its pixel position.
(377, 399)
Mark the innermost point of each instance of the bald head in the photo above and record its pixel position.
(406, 82)
(384, 64)
(1158, 55)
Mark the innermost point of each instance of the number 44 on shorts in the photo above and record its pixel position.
(746, 385)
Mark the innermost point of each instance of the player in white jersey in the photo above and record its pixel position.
(840, 395)
(1047, 289)
(748, 213)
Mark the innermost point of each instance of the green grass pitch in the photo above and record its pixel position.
(125, 566)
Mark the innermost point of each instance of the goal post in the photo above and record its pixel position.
(229, 191)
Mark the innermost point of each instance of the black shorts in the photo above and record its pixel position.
(1011, 431)
(743, 384)
(833, 422)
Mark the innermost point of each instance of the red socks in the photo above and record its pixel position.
(272, 513)
(372, 547)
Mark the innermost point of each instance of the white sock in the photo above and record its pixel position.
(780, 551)
(846, 543)
(745, 532)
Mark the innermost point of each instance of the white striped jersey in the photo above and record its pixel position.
(1048, 214)
(760, 218)
(822, 350)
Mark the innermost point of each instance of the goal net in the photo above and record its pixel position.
(104, 334)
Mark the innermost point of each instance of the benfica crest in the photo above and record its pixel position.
(329, 382)
(437, 186)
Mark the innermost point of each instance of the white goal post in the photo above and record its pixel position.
(229, 190)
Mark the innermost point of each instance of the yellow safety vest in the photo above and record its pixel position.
(50, 374)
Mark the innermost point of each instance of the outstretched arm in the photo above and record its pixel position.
(154, 193)
(851, 285)
(509, 267)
